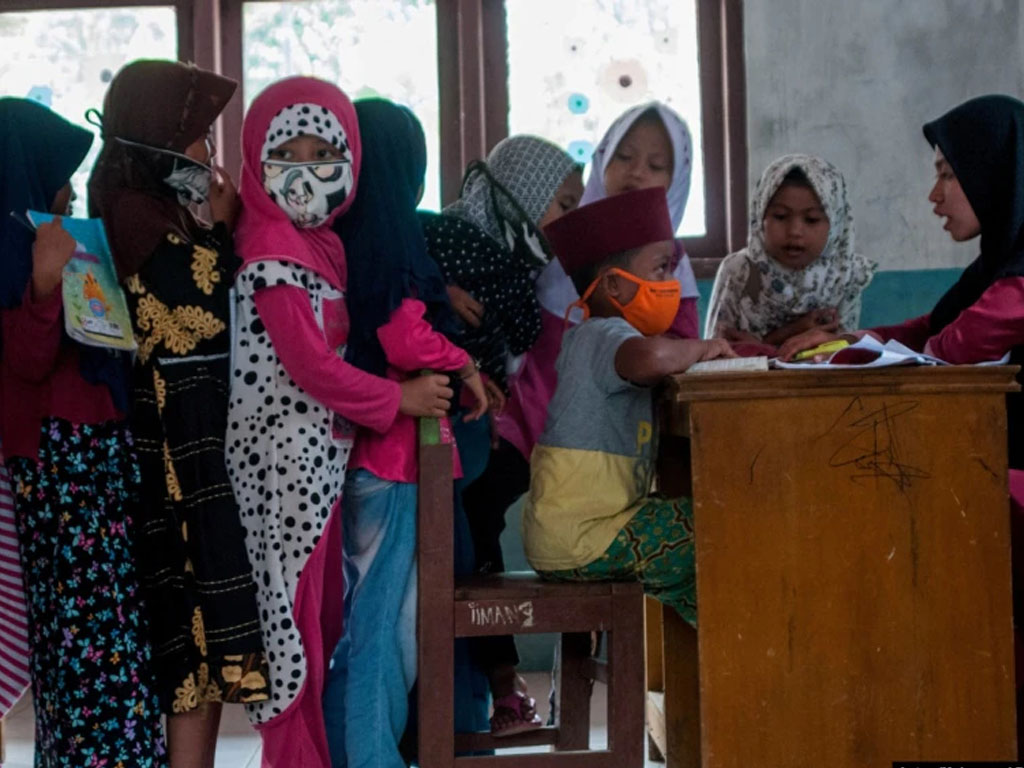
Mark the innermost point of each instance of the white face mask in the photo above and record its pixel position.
(308, 192)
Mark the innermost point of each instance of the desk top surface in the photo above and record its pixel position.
(822, 382)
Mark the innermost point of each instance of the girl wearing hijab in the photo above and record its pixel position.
(399, 316)
(978, 191)
(75, 476)
(490, 249)
(799, 269)
(295, 401)
(177, 271)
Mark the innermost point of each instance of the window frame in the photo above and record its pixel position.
(472, 70)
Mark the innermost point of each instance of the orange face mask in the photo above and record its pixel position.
(651, 311)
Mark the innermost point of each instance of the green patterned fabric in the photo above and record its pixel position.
(655, 548)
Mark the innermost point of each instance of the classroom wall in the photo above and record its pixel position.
(855, 81)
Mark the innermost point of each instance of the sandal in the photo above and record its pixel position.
(514, 713)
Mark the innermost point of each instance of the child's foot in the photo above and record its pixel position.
(514, 713)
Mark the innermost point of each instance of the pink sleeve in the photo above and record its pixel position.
(913, 333)
(685, 324)
(361, 397)
(32, 334)
(987, 329)
(411, 343)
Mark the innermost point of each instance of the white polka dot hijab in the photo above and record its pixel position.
(307, 192)
(554, 288)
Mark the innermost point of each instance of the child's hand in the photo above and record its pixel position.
(716, 348)
(474, 382)
(51, 252)
(495, 397)
(426, 396)
(465, 306)
(223, 198)
(826, 319)
(806, 340)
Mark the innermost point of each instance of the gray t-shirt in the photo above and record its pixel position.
(592, 465)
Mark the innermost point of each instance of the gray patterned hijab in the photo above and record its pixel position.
(507, 194)
(834, 279)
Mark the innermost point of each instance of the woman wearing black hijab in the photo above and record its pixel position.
(979, 190)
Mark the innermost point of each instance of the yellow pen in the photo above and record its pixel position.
(823, 349)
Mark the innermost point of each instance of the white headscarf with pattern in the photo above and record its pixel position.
(835, 279)
(554, 288)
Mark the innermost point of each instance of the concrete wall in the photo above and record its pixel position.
(854, 81)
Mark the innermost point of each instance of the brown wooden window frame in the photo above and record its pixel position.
(472, 70)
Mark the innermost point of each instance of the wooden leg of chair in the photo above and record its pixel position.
(574, 689)
(653, 642)
(682, 693)
(626, 687)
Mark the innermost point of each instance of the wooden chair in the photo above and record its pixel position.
(520, 603)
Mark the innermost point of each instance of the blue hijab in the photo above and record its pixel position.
(39, 151)
(384, 244)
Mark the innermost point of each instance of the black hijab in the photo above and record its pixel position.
(983, 141)
(384, 246)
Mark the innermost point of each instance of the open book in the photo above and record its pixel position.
(871, 353)
(95, 309)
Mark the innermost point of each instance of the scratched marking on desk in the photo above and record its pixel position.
(873, 449)
(502, 615)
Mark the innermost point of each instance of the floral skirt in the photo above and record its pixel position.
(90, 662)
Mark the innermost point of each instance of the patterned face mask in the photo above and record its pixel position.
(307, 192)
(189, 178)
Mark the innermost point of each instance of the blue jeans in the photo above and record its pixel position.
(374, 666)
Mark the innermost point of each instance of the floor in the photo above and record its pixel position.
(239, 746)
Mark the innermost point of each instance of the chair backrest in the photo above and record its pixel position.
(435, 516)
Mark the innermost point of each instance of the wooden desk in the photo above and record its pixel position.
(853, 569)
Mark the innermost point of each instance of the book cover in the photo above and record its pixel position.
(95, 310)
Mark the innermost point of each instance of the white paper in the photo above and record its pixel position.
(890, 354)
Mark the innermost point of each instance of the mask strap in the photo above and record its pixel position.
(95, 118)
(581, 302)
(158, 150)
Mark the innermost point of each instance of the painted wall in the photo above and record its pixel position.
(855, 81)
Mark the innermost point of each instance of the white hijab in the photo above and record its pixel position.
(555, 290)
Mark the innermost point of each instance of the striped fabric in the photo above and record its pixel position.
(14, 675)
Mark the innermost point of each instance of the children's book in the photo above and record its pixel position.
(730, 365)
(95, 310)
(871, 353)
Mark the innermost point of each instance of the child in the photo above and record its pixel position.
(589, 515)
(177, 273)
(75, 476)
(398, 307)
(799, 269)
(14, 649)
(489, 243)
(294, 397)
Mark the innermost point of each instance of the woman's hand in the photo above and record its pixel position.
(426, 396)
(51, 252)
(806, 340)
(223, 198)
(470, 376)
(465, 306)
(825, 318)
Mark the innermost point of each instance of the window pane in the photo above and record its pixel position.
(66, 59)
(576, 65)
(385, 48)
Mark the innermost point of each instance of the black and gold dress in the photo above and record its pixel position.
(197, 581)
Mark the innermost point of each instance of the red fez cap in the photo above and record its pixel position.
(594, 232)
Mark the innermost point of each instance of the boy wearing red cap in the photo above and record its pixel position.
(589, 515)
